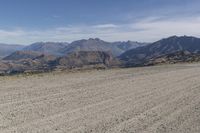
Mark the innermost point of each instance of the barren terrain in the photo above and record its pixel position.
(161, 99)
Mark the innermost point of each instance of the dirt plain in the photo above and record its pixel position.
(160, 99)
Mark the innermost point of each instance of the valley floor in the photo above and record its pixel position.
(162, 99)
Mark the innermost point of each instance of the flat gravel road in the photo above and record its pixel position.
(160, 99)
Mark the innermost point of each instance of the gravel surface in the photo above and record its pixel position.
(161, 99)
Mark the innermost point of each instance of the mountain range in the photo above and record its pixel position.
(97, 53)
(116, 48)
(64, 48)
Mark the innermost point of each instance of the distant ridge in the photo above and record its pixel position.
(165, 46)
(6, 49)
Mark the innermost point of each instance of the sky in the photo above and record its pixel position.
(29, 21)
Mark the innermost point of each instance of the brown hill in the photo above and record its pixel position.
(86, 59)
(25, 61)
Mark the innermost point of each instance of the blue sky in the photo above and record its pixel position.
(28, 21)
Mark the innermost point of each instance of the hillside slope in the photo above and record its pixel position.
(176, 57)
(29, 61)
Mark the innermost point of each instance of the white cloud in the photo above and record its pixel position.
(105, 26)
(158, 29)
(148, 29)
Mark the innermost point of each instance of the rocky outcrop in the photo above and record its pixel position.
(177, 57)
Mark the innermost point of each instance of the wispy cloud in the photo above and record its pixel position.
(147, 29)
(56, 16)
(105, 26)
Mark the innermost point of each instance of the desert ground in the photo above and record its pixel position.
(159, 99)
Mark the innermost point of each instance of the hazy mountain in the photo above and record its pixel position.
(91, 45)
(6, 49)
(53, 48)
(96, 44)
(63, 48)
(162, 47)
